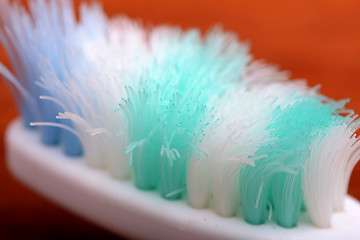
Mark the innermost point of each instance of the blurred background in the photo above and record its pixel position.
(315, 40)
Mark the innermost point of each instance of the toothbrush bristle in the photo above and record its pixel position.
(190, 115)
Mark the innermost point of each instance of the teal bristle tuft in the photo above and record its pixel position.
(276, 178)
(166, 124)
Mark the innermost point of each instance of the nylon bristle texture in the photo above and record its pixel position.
(189, 115)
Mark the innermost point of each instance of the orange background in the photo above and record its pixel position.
(319, 41)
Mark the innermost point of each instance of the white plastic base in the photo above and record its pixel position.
(121, 208)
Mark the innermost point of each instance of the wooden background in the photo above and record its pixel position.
(316, 40)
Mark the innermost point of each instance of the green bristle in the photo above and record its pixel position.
(165, 125)
(276, 179)
(209, 64)
(143, 108)
(166, 104)
(183, 127)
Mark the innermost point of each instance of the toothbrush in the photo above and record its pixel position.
(164, 120)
